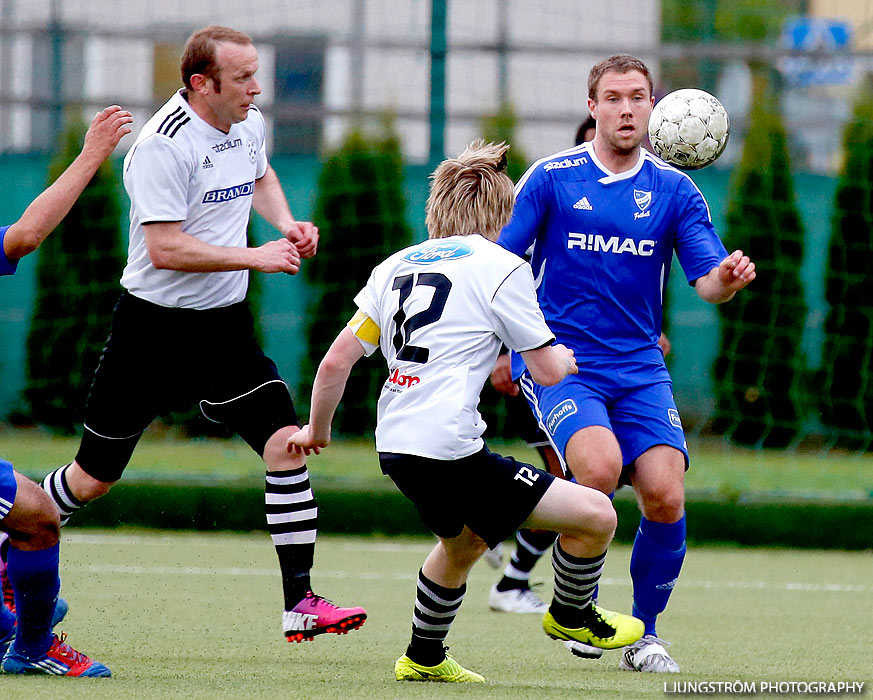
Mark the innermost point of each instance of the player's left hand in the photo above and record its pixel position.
(736, 271)
(304, 235)
(303, 442)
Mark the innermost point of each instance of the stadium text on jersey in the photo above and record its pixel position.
(566, 163)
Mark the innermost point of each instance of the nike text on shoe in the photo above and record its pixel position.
(516, 600)
(602, 628)
(649, 656)
(60, 660)
(315, 615)
(448, 671)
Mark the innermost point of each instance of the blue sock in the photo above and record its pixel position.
(35, 582)
(659, 549)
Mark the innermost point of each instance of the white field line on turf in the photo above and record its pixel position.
(208, 540)
(377, 576)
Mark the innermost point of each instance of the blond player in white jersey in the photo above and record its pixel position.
(182, 333)
(439, 312)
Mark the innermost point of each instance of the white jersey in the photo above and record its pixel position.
(182, 169)
(442, 309)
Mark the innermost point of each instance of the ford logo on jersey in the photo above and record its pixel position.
(435, 252)
(229, 193)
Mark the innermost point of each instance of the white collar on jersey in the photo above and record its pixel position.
(616, 177)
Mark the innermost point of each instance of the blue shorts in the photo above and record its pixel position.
(8, 488)
(637, 407)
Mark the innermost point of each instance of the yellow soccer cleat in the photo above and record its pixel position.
(603, 628)
(448, 671)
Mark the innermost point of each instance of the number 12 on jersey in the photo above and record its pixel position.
(406, 326)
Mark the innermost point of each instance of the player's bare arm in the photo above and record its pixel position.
(733, 273)
(549, 365)
(270, 202)
(327, 390)
(170, 248)
(48, 210)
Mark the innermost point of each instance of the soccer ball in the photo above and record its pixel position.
(689, 128)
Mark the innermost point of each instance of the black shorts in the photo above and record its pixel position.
(160, 359)
(490, 494)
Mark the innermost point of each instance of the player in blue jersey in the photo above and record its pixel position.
(512, 593)
(604, 219)
(27, 515)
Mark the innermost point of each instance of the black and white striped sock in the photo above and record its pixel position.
(576, 579)
(55, 485)
(435, 610)
(530, 545)
(292, 519)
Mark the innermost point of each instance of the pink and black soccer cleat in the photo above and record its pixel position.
(315, 615)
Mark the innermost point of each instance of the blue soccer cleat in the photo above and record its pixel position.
(60, 660)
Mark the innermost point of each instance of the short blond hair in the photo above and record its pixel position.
(471, 193)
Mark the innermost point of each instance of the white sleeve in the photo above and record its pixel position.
(519, 320)
(159, 181)
(262, 151)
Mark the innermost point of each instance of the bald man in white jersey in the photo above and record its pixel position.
(182, 332)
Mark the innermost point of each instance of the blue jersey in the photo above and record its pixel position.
(7, 266)
(601, 247)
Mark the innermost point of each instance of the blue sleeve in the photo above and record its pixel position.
(529, 214)
(7, 266)
(698, 246)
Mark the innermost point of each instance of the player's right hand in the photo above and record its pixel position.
(106, 130)
(276, 256)
(501, 376)
(569, 358)
(302, 442)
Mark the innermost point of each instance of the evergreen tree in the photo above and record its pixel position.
(760, 365)
(361, 215)
(501, 127)
(504, 417)
(77, 276)
(847, 358)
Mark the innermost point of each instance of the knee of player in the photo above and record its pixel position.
(665, 504)
(602, 475)
(604, 520)
(43, 527)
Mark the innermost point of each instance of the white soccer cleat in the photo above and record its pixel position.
(583, 651)
(494, 557)
(516, 600)
(648, 656)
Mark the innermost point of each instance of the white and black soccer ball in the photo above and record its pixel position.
(689, 128)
